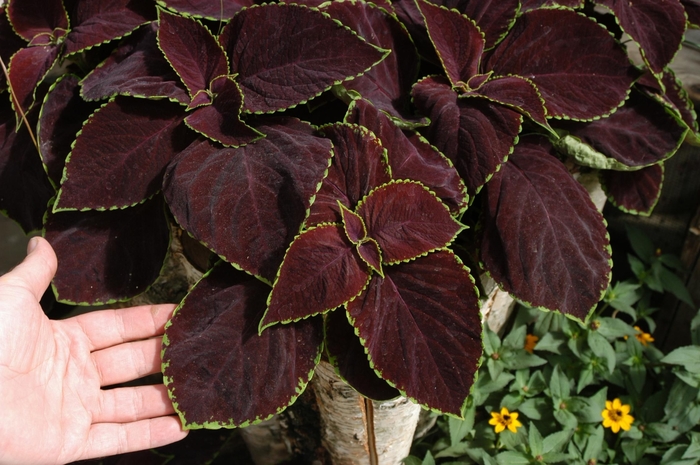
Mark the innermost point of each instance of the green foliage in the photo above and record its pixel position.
(559, 384)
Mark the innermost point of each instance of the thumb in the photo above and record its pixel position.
(36, 270)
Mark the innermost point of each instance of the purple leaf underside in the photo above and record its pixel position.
(287, 54)
(634, 191)
(108, 256)
(27, 70)
(320, 272)
(120, 156)
(657, 27)
(388, 84)
(62, 116)
(218, 11)
(348, 356)
(639, 134)
(247, 204)
(412, 157)
(407, 220)
(474, 133)
(32, 18)
(494, 17)
(192, 50)
(97, 22)
(543, 239)
(137, 68)
(457, 40)
(578, 67)
(516, 93)
(218, 371)
(427, 308)
(359, 165)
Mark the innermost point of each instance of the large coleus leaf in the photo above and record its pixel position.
(528, 5)
(107, 256)
(321, 271)
(28, 68)
(359, 165)
(421, 328)
(218, 370)
(578, 67)
(286, 54)
(10, 42)
(38, 20)
(135, 68)
(120, 156)
(671, 95)
(62, 115)
(25, 190)
(407, 220)
(657, 27)
(411, 156)
(247, 204)
(221, 10)
(494, 17)
(387, 85)
(515, 92)
(474, 133)
(457, 40)
(639, 134)
(634, 192)
(95, 22)
(543, 239)
(348, 356)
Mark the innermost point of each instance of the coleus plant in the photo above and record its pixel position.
(355, 166)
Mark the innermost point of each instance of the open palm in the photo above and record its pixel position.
(53, 409)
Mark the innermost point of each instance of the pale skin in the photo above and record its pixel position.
(53, 405)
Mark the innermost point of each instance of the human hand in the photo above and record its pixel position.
(52, 407)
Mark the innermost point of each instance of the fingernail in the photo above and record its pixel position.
(33, 243)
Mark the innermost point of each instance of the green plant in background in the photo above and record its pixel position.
(555, 391)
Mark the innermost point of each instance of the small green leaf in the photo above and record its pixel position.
(428, 460)
(536, 442)
(567, 419)
(673, 284)
(688, 357)
(495, 367)
(550, 342)
(594, 445)
(559, 385)
(460, 428)
(534, 408)
(412, 460)
(515, 339)
(586, 378)
(596, 404)
(512, 458)
(522, 359)
(613, 328)
(674, 456)
(602, 348)
(634, 450)
(641, 244)
(661, 432)
(491, 342)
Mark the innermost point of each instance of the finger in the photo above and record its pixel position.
(106, 439)
(124, 405)
(126, 362)
(36, 270)
(106, 328)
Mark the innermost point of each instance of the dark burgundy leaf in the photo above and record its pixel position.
(286, 54)
(359, 165)
(10, 42)
(354, 226)
(412, 157)
(136, 68)
(62, 115)
(543, 240)
(407, 220)
(638, 134)
(120, 156)
(108, 256)
(221, 121)
(31, 18)
(692, 9)
(515, 92)
(25, 189)
(578, 67)
(422, 330)
(348, 356)
(657, 27)
(474, 133)
(98, 21)
(218, 371)
(371, 254)
(494, 17)
(634, 191)
(457, 40)
(527, 5)
(27, 69)
(221, 10)
(388, 84)
(408, 13)
(192, 50)
(320, 272)
(675, 98)
(247, 204)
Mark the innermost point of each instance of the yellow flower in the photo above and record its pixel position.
(643, 337)
(616, 415)
(504, 420)
(530, 341)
